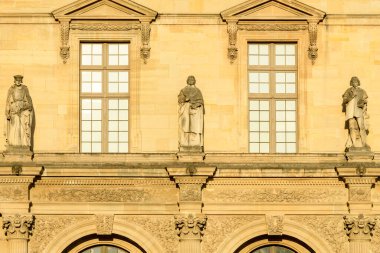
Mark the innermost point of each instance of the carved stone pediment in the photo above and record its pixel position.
(272, 15)
(104, 15)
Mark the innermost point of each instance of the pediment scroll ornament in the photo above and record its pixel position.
(272, 15)
(104, 15)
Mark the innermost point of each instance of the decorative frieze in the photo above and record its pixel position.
(279, 195)
(190, 192)
(104, 224)
(104, 27)
(18, 226)
(190, 226)
(360, 227)
(14, 193)
(91, 194)
(273, 27)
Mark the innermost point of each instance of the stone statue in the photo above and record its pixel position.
(355, 106)
(191, 111)
(19, 115)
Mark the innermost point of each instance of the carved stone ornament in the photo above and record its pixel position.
(359, 228)
(232, 35)
(313, 49)
(104, 224)
(190, 226)
(65, 33)
(18, 226)
(275, 224)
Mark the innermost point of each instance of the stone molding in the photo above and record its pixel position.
(190, 226)
(16, 180)
(360, 227)
(18, 226)
(273, 27)
(279, 182)
(104, 27)
(104, 224)
(101, 181)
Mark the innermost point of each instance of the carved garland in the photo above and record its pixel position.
(312, 27)
(66, 26)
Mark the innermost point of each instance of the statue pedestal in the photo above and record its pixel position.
(18, 151)
(191, 149)
(362, 153)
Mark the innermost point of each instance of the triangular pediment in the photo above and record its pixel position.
(104, 9)
(272, 10)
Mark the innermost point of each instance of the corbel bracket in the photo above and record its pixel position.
(145, 40)
(232, 29)
(313, 32)
(65, 33)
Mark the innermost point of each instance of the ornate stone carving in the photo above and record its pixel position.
(65, 33)
(273, 27)
(360, 194)
(48, 227)
(145, 39)
(190, 192)
(220, 227)
(313, 32)
(159, 226)
(104, 27)
(16, 170)
(104, 224)
(18, 226)
(232, 35)
(104, 195)
(283, 195)
(359, 228)
(330, 228)
(14, 193)
(190, 226)
(275, 224)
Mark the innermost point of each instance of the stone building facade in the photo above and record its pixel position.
(104, 173)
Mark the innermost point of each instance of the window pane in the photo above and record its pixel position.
(113, 136)
(123, 60)
(97, 48)
(96, 147)
(86, 59)
(113, 60)
(86, 147)
(86, 49)
(253, 60)
(123, 48)
(264, 147)
(113, 126)
(123, 136)
(253, 48)
(123, 147)
(96, 125)
(113, 48)
(254, 147)
(123, 125)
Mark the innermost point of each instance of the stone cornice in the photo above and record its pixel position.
(277, 182)
(92, 181)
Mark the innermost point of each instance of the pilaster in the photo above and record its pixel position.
(359, 231)
(17, 229)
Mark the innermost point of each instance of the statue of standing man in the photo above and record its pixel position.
(191, 111)
(355, 106)
(19, 116)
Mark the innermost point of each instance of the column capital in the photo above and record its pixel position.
(18, 226)
(190, 226)
(360, 227)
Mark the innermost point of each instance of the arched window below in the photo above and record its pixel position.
(273, 249)
(104, 249)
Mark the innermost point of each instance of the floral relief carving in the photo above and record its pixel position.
(47, 228)
(273, 27)
(18, 226)
(190, 192)
(190, 226)
(330, 228)
(220, 227)
(375, 243)
(360, 194)
(104, 195)
(159, 226)
(287, 195)
(275, 224)
(14, 193)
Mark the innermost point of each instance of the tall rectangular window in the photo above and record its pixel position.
(272, 85)
(104, 97)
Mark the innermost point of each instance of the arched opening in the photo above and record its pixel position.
(103, 244)
(270, 244)
(104, 249)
